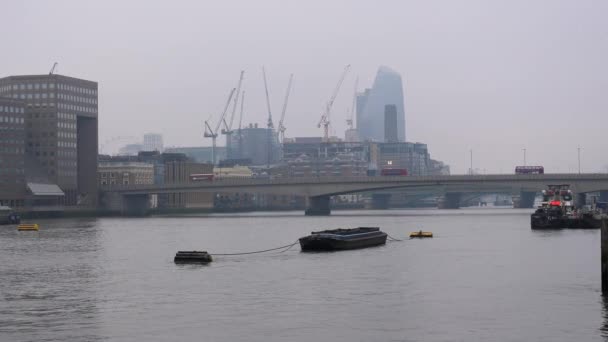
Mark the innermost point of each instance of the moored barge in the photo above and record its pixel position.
(343, 239)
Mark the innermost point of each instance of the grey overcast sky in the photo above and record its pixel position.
(492, 76)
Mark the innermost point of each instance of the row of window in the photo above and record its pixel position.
(43, 86)
(67, 126)
(67, 135)
(66, 116)
(125, 174)
(11, 119)
(77, 108)
(12, 150)
(12, 109)
(10, 141)
(66, 144)
(75, 98)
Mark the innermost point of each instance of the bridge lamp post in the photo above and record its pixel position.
(524, 156)
(579, 159)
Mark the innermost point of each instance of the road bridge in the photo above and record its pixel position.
(318, 190)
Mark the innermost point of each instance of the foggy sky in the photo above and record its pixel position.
(491, 76)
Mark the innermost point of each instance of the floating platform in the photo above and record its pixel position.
(192, 257)
(28, 226)
(421, 234)
(341, 239)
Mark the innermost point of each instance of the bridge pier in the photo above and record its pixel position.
(525, 200)
(318, 206)
(451, 200)
(135, 205)
(381, 201)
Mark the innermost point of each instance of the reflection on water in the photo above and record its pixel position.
(486, 276)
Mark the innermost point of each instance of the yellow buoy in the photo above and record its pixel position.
(421, 234)
(28, 226)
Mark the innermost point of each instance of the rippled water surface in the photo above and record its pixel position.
(484, 277)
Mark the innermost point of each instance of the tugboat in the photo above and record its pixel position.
(341, 239)
(557, 210)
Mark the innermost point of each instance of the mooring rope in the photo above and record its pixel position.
(392, 238)
(287, 247)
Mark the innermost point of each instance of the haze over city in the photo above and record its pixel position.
(492, 77)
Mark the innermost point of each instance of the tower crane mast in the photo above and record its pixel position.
(282, 127)
(325, 118)
(228, 127)
(351, 114)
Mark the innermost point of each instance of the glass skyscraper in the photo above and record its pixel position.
(386, 90)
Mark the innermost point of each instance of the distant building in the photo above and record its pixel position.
(310, 157)
(387, 89)
(124, 173)
(259, 144)
(12, 152)
(61, 134)
(390, 123)
(200, 154)
(352, 135)
(153, 142)
(131, 149)
(180, 172)
(401, 155)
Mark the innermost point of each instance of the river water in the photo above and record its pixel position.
(484, 277)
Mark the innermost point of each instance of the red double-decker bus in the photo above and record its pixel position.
(529, 170)
(393, 172)
(199, 177)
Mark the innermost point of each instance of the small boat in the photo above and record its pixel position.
(343, 238)
(28, 227)
(421, 234)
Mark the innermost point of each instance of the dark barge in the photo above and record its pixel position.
(343, 239)
(192, 257)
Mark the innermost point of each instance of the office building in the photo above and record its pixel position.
(61, 132)
(311, 157)
(199, 154)
(259, 144)
(387, 89)
(390, 123)
(401, 155)
(180, 171)
(153, 142)
(124, 173)
(12, 152)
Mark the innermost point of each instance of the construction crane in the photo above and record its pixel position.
(210, 133)
(325, 118)
(282, 127)
(269, 124)
(351, 114)
(53, 68)
(240, 124)
(228, 127)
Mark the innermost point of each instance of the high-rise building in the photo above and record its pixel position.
(12, 152)
(390, 123)
(387, 89)
(61, 131)
(153, 142)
